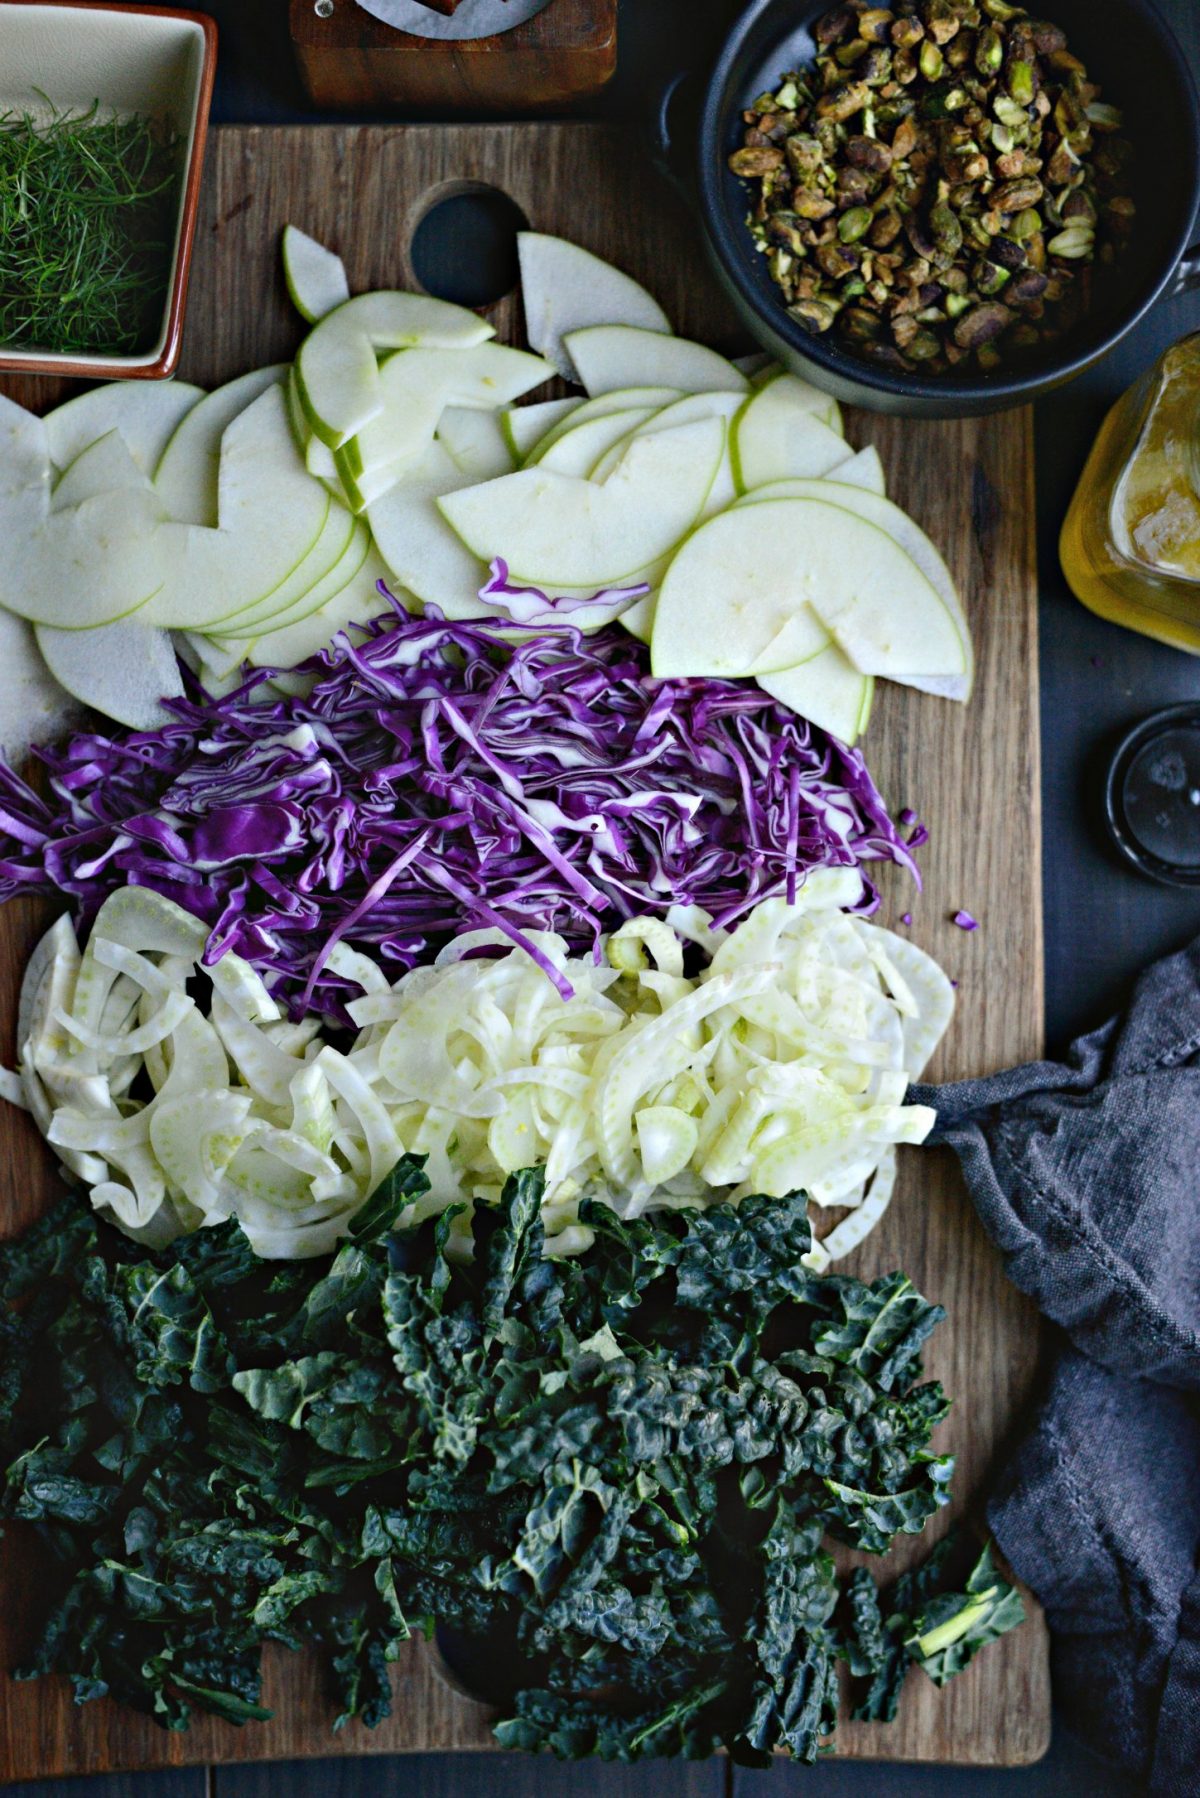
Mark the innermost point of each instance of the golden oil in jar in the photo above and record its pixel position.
(1130, 544)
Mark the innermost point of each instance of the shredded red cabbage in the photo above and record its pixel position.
(531, 606)
(441, 777)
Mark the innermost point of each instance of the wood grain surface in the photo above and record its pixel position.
(972, 772)
(351, 61)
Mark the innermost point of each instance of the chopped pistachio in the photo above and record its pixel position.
(1021, 83)
(1076, 241)
(930, 60)
(1103, 117)
(940, 154)
(924, 346)
(981, 325)
(943, 101)
(1019, 195)
(989, 51)
(990, 277)
(854, 224)
(814, 315)
(756, 160)
(875, 24)
(1009, 113)
(947, 231)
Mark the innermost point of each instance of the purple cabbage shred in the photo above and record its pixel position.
(531, 606)
(440, 777)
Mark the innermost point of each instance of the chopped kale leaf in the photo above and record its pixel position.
(622, 1468)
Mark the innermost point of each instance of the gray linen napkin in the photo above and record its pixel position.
(1087, 1177)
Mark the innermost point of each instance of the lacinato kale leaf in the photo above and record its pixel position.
(614, 1476)
(923, 1622)
(952, 1627)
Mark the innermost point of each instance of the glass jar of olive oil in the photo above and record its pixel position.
(1130, 545)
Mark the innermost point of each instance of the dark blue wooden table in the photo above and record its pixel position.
(1103, 923)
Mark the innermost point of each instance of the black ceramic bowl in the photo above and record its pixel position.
(1126, 47)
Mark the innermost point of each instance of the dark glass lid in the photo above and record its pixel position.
(1153, 797)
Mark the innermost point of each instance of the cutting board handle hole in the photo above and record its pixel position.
(464, 244)
(485, 1672)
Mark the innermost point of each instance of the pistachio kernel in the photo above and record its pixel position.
(854, 224)
(757, 159)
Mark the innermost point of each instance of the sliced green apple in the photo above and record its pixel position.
(579, 451)
(683, 411)
(723, 491)
(863, 470)
(612, 356)
(186, 478)
(338, 368)
(124, 670)
(271, 514)
(297, 418)
(761, 587)
(758, 367)
(25, 472)
(912, 540)
(357, 603)
(324, 464)
(315, 277)
(727, 597)
(217, 685)
(344, 570)
(417, 386)
(33, 707)
(87, 565)
(210, 657)
(551, 529)
(146, 413)
(106, 466)
(622, 399)
(639, 619)
(318, 459)
(792, 392)
(476, 441)
(691, 407)
(781, 434)
(565, 288)
(334, 542)
(525, 426)
(724, 488)
(888, 617)
(360, 491)
(422, 553)
(828, 690)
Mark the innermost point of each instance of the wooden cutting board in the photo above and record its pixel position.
(972, 772)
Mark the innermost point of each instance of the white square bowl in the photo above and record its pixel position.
(148, 59)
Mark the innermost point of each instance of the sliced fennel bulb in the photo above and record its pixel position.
(781, 1065)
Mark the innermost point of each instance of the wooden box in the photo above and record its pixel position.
(350, 60)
